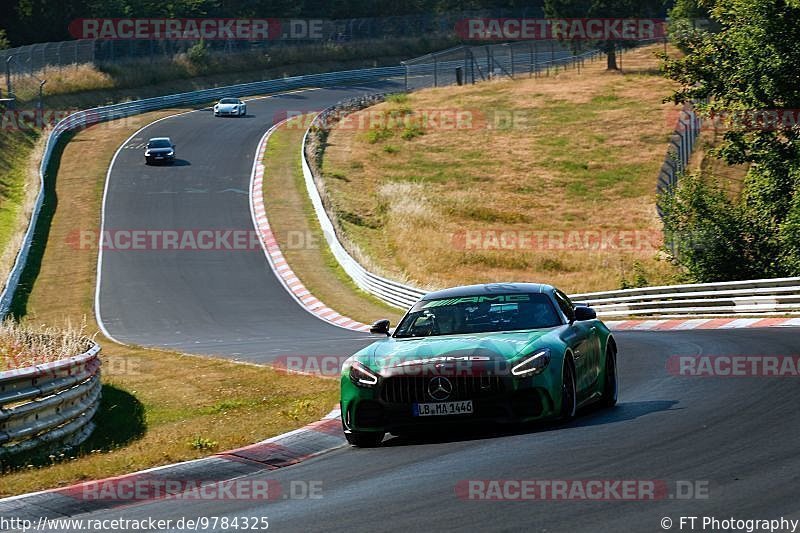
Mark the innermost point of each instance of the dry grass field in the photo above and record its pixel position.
(515, 190)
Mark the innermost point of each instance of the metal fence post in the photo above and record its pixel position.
(41, 94)
(531, 64)
(8, 76)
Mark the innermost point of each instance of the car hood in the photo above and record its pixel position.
(227, 107)
(483, 350)
(159, 150)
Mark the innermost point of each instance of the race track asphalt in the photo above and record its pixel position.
(737, 435)
(219, 302)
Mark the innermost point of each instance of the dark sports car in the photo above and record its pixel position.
(513, 352)
(159, 150)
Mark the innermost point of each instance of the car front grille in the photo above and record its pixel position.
(414, 389)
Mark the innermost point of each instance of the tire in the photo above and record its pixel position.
(364, 440)
(610, 382)
(569, 396)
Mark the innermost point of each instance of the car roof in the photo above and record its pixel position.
(159, 139)
(488, 289)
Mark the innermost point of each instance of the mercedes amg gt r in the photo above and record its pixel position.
(511, 352)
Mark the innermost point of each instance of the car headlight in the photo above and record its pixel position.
(533, 364)
(361, 376)
(171, 152)
(146, 153)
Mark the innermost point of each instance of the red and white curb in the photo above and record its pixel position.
(273, 252)
(207, 477)
(701, 323)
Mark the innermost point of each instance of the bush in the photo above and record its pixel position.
(198, 54)
(411, 131)
(716, 238)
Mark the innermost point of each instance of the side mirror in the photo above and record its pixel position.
(381, 327)
(583, 312)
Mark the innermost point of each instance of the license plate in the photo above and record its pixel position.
(443, 408)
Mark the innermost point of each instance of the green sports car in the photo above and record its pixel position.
(510, 352)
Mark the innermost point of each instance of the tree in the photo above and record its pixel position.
(746, 74)
(3, 40)
(605, 9)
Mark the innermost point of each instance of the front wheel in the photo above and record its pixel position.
(610, 384)
(569, 399)
(364, 440)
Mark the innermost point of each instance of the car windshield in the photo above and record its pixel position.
(159, 143)
(229, 101)
(478, 314)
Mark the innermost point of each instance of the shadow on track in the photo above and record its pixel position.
(590, 416)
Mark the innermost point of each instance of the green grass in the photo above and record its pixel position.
(16, 149)
(149, 414)
(290, 209)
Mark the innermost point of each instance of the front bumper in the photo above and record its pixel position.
(232, 113)
(507, 400)
(160, 159)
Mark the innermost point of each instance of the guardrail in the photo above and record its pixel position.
(681, 146)
(753, 297)
(50, 404)
(392, 292)
(88, 117)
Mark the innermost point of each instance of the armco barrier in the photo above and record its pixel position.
(100, 114)
(50, 404)
(755, 297)
(759, 297)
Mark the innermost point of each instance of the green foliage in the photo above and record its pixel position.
(203, 444)
(397, 98)
(605, 9)
(688, 18)
(749, 65)
(412, 131)
(376, 135)
(639, 278)
(198, 54)
(689, 9)
(4, 40)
